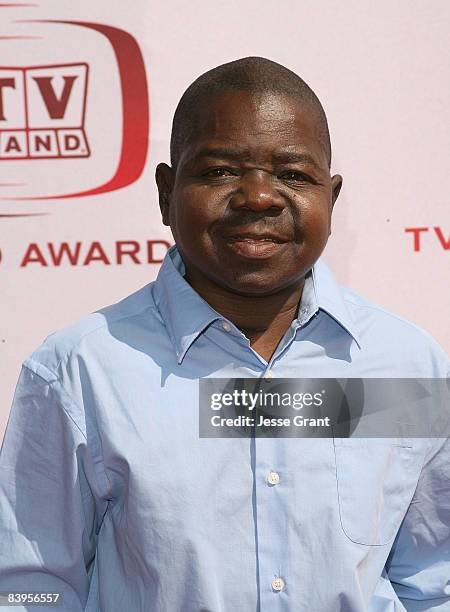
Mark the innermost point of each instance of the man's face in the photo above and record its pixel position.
(250, 201)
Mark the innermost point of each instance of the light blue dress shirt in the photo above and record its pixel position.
(109, 496)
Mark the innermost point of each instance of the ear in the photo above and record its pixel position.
(336, 184)
(165, 178)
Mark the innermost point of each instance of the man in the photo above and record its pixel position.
(109, 495)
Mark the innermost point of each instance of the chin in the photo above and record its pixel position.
(255, 288)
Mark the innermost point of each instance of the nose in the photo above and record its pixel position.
(256, 191)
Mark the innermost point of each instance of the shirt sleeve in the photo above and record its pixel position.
(419, 563)
(49, 515)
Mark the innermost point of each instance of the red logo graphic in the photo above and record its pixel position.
(417, 234)
(42, 112)
(51, 111)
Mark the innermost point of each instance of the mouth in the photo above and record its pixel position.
(253, 246)
(253, 239)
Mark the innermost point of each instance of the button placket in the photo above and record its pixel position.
(273, 484)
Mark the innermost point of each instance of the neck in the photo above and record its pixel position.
(264, 317)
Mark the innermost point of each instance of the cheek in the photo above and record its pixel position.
(317, 223)
(191, 219)
(195, 211)
(313, 219)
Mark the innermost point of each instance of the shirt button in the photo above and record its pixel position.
(268, 375)
(277, 584)
(273, 478)
(226, 326)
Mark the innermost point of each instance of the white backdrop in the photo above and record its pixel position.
(74, 78)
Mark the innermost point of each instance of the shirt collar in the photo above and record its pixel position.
(186, 314)
(330, 299)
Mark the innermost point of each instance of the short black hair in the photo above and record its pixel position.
(252, 74)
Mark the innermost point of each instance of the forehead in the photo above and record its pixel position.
(258, 122)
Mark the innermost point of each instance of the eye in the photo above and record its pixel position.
(294, 176)
(217, 172)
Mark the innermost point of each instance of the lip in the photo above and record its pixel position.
(255, 236)
(252, 247)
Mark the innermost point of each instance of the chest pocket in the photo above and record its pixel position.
(376, 480)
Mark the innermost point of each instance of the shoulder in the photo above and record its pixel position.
(98, 331)
(397, 336)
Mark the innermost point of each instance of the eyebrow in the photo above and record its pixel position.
(283, 157)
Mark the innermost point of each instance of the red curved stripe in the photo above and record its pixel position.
(136, 119)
